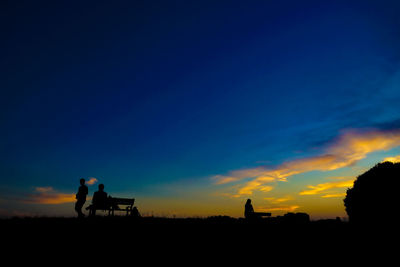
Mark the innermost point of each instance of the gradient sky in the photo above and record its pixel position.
(192, 107)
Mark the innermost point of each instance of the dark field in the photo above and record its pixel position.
(188, 230)
(213, 229)
(201, 240)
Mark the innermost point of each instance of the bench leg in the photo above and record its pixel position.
(92, 212)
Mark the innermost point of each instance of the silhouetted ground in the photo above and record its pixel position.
(218, 229)
(220, 237)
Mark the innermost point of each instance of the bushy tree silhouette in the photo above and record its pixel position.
(374, 196)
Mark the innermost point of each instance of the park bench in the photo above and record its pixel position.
(116, 202)
(112, 204)
(257, 215)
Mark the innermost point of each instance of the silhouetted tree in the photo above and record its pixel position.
(374, 196)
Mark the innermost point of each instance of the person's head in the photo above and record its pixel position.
(248, 201)
(82, 181)
(101, 187)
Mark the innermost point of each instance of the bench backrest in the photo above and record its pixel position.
(122, 201)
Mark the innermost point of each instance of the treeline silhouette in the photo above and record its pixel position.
(374, 197)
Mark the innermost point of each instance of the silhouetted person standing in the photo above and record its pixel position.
(81, 198)
(249, 212)
(99, 200)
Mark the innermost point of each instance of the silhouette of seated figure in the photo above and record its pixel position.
(249, 212)
(99, 201)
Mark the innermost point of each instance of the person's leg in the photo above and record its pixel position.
(78, 208)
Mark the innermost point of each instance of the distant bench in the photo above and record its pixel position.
(113, 204)
(256, 215)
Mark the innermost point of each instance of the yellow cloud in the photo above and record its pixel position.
(394, 159)
(274, 200)
(334, 195)
(47, 195)
(322, 188)
(348, 149)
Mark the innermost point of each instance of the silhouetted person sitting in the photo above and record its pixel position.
(81, 198)
(249, 212)
(99, 201)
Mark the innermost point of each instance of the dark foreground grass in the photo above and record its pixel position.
(126, 228)
(175, 237)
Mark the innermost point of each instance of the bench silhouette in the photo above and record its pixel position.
(256, 215)
(261, 214)
(114, 204)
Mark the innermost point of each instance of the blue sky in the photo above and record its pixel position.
(155, 98)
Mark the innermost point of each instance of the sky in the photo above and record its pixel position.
(192, 107)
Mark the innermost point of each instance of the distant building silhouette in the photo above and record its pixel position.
(374, 196)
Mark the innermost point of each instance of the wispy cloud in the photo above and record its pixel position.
(334, 195)
(220, 179)
(44, 190)
(323, 188)
(275, 200)
(346, 150)
(286, 208)
(47, 195)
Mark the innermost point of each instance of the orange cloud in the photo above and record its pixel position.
(92, 181)
(347, 150)
(322, 188)
(279, 208)
(47, 195)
